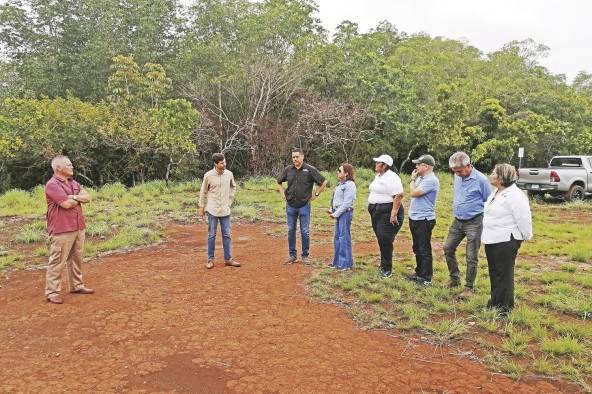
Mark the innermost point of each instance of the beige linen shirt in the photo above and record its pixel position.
(218, 190)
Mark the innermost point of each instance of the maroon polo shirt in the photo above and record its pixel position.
(60, 220)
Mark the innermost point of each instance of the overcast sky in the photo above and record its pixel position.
(564, 26)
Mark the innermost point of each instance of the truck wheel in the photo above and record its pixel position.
(575, 193)
(535, 196)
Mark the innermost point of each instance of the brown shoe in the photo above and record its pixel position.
(55, 298)
(210, 264)
(232, 263)
(83, 290)
(466, 293)
(453, 283)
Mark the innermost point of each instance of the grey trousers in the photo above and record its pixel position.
(471, 229)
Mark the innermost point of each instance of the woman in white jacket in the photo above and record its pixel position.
(507, 222)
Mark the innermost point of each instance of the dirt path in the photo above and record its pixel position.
(161, 323)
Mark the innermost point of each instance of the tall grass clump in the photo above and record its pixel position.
(30, 233)
(562, 346)
(22, 203)
(112, 191)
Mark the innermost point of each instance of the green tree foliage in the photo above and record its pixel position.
(62, 46)
(263, 76)
(135, 136)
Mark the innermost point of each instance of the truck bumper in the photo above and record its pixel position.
(537, 187)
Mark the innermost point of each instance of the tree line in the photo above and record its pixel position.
(135, 90)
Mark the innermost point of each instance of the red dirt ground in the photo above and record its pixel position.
(161, 322)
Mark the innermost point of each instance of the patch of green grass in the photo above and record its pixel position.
(30, 233)
(573, 329)
(512, 369)
(446, 330)
(500, 363)
(112, 192)
(562, 288)
(579, 305)
(10, 260)
(569, 267)
(152, 188)
(371, 298)
(581, 255)
(95, 228)
(246, 212)
(415, 315)
(554, 276)
(41, 252)
(562, 346)
(393, 295)
(474, 303)
(358, 280)
(526, 316)
(517, 343)
(488, 319)
(320, 290)
(540, 333)
(575, 375)
(21, 203)
(584, 280)
(185, 187)
(543, 366)
(126, 237)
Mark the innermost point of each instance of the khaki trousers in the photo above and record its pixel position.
(65, 249)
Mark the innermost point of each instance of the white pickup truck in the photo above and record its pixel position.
(569, 177)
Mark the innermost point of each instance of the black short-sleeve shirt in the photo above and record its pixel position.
(300, 182)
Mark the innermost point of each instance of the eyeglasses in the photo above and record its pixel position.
(339, 170)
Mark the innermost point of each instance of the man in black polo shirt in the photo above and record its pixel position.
(300, 177)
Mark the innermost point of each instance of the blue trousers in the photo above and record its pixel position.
(225, 229)
(292, 216)
(342, 242)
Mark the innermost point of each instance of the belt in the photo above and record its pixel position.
(381, 203)
(468, 220)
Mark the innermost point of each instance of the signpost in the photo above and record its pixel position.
(520, 155)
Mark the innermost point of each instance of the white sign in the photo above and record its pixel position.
(520, 152)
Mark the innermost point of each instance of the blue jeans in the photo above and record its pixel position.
(292, 216)
(342, 243)
(225, 229)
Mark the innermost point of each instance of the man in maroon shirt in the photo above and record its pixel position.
(65, 225)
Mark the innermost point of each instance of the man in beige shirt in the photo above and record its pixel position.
(215, 199)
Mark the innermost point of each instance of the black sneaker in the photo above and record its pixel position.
(385, 274)
(419, 280)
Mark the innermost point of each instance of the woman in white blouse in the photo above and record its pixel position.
(386, 211)
(506, 223)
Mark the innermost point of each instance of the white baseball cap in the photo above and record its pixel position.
(386, 159)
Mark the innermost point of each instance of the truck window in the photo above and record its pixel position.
(566, 162)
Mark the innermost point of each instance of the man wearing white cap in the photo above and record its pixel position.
(386, 211)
